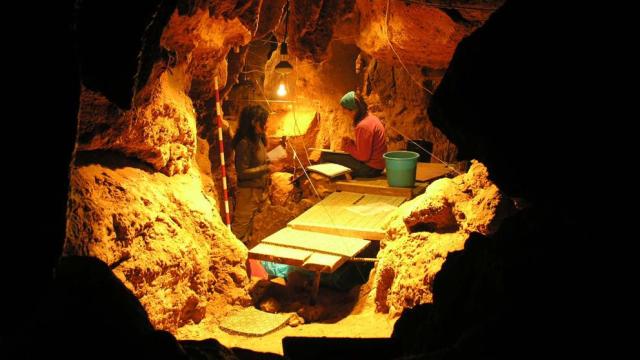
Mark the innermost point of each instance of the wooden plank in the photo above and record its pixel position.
(336, 151)
(279, 254)
(355, 186)
(324, 262)
(368, 234)
(380, 186)
(431, 171)
(349, 214)
(376, 209)
(391, 200)
(317, 242)
(327, 209)
(311, 261)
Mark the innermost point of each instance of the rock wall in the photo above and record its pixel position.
(162, 236)
(424, 231)
(142, 197)
(419, 33)
(398, 98)
(160, 132)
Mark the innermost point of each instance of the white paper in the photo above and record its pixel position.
(277, 153)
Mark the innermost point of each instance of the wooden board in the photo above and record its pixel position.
(305, 259)
(431, 171)
(380, 186)
(323, 262)
(349, 214)
(279, 254)
(317, 242)
(335, 151)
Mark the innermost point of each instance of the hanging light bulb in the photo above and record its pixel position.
(284, 67)
(282, 89)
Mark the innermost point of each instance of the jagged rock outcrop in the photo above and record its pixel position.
(399, 99)
(418, 33)
(160, 132)
(423, 231)
(162, 235)
(202, 41)
(312, 24)
(153, 216)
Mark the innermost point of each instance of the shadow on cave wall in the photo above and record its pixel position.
(509, 295)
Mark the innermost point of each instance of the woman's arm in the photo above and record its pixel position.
(361, 149)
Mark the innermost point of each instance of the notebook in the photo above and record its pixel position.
(329, 169)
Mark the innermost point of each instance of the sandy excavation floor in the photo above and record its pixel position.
(341, 316)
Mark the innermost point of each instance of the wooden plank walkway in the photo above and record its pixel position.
(324, 262)
(310, 250)
(318, 242)
(379, 186)
(349, 214)
(340, 222)
(279, 254)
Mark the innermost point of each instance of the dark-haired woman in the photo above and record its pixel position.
(364, 156)
(252, 169)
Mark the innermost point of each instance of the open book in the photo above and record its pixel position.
(329, 169)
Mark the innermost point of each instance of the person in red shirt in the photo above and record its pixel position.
(364, 156)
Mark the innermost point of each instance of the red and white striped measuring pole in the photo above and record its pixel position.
(222, 164)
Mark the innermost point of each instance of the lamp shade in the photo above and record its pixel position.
(284, 66)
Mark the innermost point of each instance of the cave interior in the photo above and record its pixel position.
(137, 254)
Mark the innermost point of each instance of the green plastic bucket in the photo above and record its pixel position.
(401, 168)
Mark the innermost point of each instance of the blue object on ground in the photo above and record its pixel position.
(346, 277)
(277, 270)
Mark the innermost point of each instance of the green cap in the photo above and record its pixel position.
(349, 100)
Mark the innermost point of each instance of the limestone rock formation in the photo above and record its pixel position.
(423, 231)
(142, 197)
(281, 188)
(202, 41)
(313, 24)
(162, 235)
(399, 99)
(415, 33)
(161, 132)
